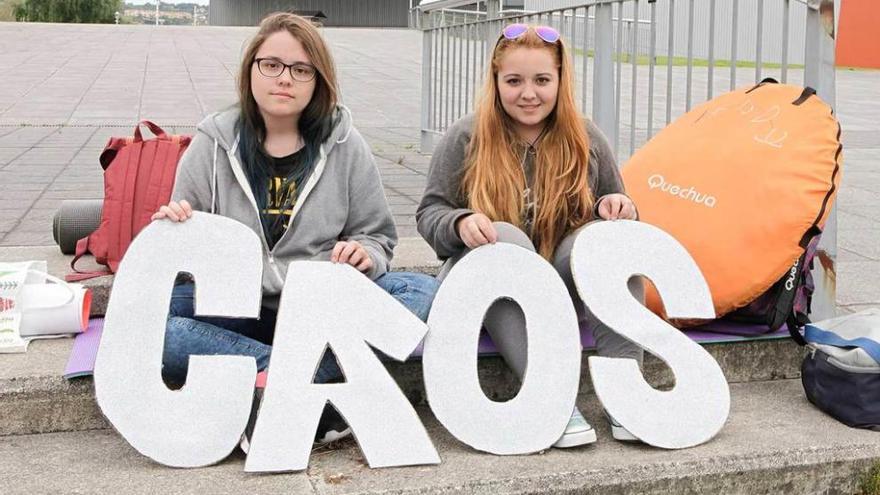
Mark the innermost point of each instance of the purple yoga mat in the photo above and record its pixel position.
(718, 331)
(85, 346)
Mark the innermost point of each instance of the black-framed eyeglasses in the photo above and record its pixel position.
(299, 71)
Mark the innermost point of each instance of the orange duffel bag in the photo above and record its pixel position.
(745, 182)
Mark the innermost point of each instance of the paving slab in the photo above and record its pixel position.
(111, 76)
(774, 442)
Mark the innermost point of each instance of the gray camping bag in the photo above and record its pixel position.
(841, 373)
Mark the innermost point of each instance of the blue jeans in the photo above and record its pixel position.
(186, 334)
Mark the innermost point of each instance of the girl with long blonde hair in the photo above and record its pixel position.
(527, 168)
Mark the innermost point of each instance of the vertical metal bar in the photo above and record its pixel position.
(652, 59)
(617, 93)
(690, 62)
(447, 63)
(478, 66)
(484, 44)
(785, 22)
(759, 47)
(573, 33)
(635, 65)
(603, 72)
(459, 74)
(670, 52)
(733, 37)
(710, 84)
(438, 69)
(441, 75)
(563, 17)
(586, 59)
(562, 23)
(467, 71)
(438, 38)
(819, 73)
(493, 7)
(453, 54)
(427, 144)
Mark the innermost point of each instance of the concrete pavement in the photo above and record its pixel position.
(64, 89)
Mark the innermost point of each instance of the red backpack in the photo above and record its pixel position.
(138, 179)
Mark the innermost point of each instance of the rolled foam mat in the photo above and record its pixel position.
(75, 219)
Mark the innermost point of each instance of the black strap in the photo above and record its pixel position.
(807, 92)
(763, 82)
(794, 329)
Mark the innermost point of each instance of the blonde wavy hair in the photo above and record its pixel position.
(494, 179)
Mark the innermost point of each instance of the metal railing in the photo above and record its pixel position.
(631, 80)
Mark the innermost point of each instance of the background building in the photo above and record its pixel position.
(339, 13)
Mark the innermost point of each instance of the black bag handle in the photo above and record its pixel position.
(766, 80)
(808, 92)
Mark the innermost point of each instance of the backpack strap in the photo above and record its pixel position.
(82, 247)
(795, 324)
(120, 230)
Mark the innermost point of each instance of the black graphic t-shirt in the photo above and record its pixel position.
(285, 175)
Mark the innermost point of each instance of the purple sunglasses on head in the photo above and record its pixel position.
(546, 33)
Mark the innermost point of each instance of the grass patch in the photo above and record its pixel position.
(682, 61)
(869, 484)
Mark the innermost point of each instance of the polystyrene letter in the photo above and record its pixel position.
(201, 423)
(537, 416)
(332, 304)
(606, 255)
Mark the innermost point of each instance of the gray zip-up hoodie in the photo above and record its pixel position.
(343, 199)
(444, 203)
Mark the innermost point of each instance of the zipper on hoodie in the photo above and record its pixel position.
(238, 172)
(307, 188)
(242, 182)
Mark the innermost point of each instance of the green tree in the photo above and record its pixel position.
(7, 9)
(80, 11)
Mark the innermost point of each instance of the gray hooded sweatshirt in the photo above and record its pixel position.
(444, 202)
(343, 199)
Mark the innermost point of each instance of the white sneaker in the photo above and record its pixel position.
(619, 432)
(331, 427)
(577, 432)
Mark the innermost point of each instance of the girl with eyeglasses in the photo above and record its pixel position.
(287, 162)
(529, 169)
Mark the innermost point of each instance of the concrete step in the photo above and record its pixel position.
(774, 442)
(35, 398)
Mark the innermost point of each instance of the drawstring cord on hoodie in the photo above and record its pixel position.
(350, 126)
(214, 180)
